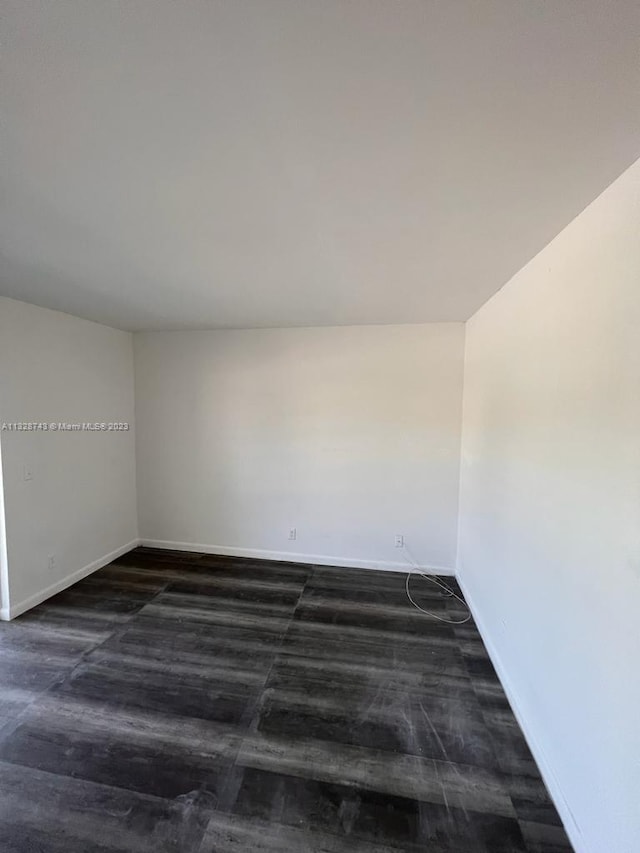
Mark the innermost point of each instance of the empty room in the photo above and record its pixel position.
(319, 426)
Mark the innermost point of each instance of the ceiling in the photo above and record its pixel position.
(241, 163)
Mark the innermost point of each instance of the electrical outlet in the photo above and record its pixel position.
(27, 472)
(399, 540)
(293, 534)
(51, 562)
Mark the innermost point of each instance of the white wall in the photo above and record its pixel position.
(348, 434)
(550, 509)
(80, 505)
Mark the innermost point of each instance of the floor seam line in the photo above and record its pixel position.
(227, 792)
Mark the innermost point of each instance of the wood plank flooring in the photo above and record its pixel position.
(184, 702)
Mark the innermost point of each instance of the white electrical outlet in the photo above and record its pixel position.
(399, 540)
(27, 472)
(51, 562)
(293, 534)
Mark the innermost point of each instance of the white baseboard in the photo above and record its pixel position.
(544, 765)
(289, 557)
(7, 613)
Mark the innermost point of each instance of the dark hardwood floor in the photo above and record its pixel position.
(184, 702)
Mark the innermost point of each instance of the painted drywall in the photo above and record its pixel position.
(4, 562)
(189, 164)
(351, 435)
(79, 505)
(549, 547)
